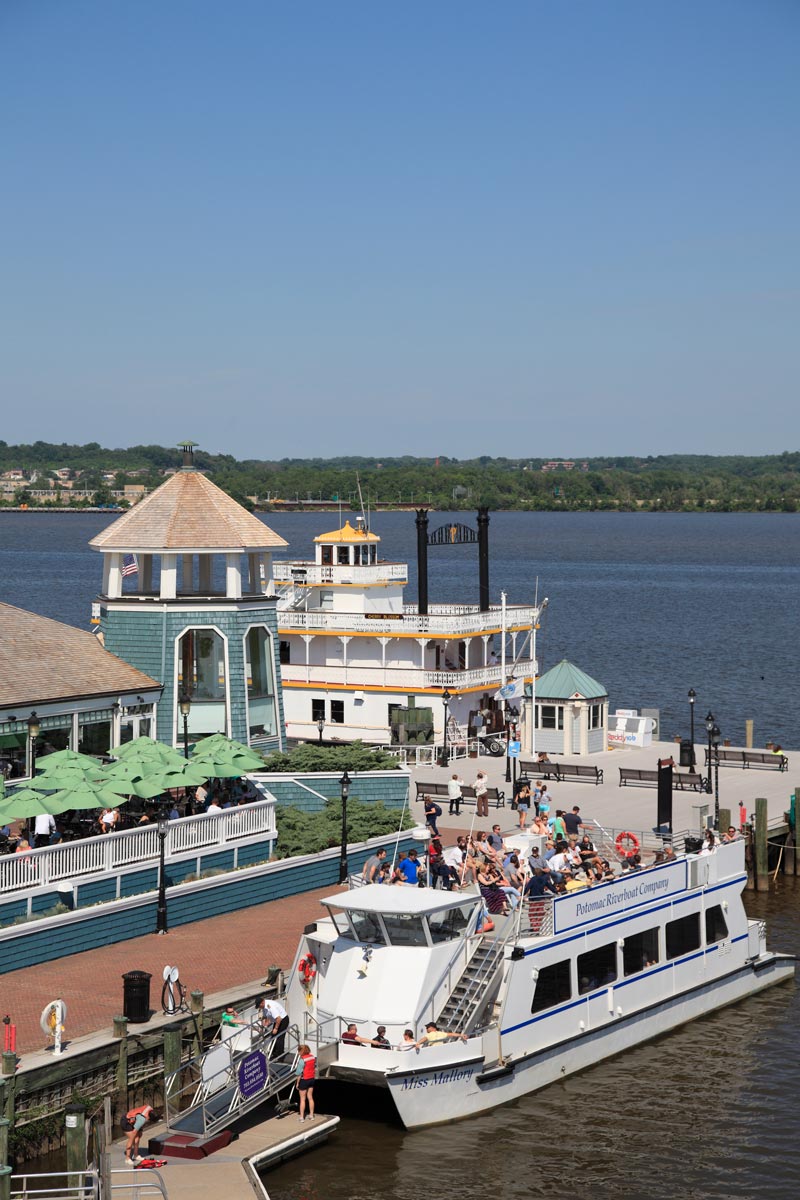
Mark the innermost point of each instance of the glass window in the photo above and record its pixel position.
(595, 716)
(337, 712)
(553, 986)
(325, 598)
(367, 927)
(551, 716)
(201, 673)
(405, 930)
(327, 555)
(285, 650)
(260, 676)
(317, 710)
(50, 740)
(683, 935)
(639, 951)
(716, 925)
(343, 556)
(597, 968)
(448, 925)
(94, 738)
(373, 554)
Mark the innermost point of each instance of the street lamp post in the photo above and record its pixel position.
(710, 723)
(715, 736)
(161, 910)
(185, 705)
(344, 784)
(692, 698)
(511, 724)
(34, 728)
(446, 698)
(320, 727)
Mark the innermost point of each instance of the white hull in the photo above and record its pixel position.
(448, 1092)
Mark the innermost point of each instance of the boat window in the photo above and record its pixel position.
(597, 968)
(639, 951)
(404, 929)
(327, 555)
(683, 935)
(367, 927)
(553, 986)
(445, 926)
(716, 925)
(343, 556)
(340, 922)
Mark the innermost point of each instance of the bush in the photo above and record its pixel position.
(309, 833)
(354, 756)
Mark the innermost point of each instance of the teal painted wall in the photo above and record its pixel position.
(104, 927)
(147, 639)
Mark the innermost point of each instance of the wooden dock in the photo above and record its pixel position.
(233, 1173)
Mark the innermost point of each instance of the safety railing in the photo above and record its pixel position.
(108, 852)
(127, 1181)
(356, 674)
(444, 620)
(52, 1185)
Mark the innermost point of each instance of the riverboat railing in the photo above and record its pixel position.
(446, 620)
(402, 678)
(109, 852)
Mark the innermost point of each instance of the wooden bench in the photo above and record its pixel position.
(682, 781)
(495, 796)
(750, 758)
(561, 771)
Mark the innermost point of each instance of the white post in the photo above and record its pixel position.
(169, 576)
(233, 577)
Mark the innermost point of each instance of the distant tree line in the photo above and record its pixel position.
(668, 483)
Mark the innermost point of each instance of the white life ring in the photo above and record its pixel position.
(53, 1015)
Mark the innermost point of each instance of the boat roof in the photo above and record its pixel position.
(384, 898)
(348, 534)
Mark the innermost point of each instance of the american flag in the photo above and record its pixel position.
(129, 564)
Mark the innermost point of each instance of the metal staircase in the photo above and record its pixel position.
(291, 597)
(468, 998)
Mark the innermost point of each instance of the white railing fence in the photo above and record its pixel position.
(108, 852)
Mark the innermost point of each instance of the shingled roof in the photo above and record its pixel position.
(43, 660)
(565, 681)
(187, 513)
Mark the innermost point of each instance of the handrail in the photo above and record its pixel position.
(89, 1189)
(142, 1183)
(105, 853)
(477, 987)
(447, 972)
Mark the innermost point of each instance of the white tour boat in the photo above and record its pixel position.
(356, 658)
(579, 978)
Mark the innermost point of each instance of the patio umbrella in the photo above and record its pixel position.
(25, 804)
(63, 758)
(163, 781)
(216, 742)
(86, 795)
(223, 762)
(127, 772)
(137, 746)
(58, 780)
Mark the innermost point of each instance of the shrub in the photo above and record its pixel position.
(354, 756)
(309, 833)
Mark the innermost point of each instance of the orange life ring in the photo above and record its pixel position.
(627, 844)
(307, 968)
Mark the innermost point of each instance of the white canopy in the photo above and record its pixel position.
(399, 899)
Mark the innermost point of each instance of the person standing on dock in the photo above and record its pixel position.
(454, 795)
(306, 1071)
(481, 787)
(275, 1020)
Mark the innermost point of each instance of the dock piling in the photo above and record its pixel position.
(121, 1032)
(172, 1059)
(761, 849)
(197, 1004)
(75, 1121)
(748, 733)
(724, 821)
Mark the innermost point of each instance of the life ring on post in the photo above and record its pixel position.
(307, 969)
(627, 844)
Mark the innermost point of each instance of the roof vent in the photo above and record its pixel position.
(188, 454)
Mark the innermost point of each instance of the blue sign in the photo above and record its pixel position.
(514, 749)
(253, 1074)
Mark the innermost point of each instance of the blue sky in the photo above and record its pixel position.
(380, 228)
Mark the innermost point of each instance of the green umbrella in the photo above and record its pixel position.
(217, 742)
(229, 766)
(86, 795)
(163, 781)
(128, 771)
(25, 804)
(71, 758)
(60, 780)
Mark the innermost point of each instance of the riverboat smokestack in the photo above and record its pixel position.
(422, 561)
(483, 559)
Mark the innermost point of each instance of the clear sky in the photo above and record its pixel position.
(401, 227)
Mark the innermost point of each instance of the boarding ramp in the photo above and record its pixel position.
(238, 1072)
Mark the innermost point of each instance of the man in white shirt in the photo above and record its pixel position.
(213, 806)
(275, 1020)
(45, 825)
(454, 794)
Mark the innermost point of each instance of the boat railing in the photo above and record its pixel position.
(108, 852)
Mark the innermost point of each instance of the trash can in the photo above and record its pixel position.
(136, 996)
(686, 753)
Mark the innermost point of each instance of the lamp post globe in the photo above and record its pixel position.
(320, 727)
(34, 729)
(185, 706)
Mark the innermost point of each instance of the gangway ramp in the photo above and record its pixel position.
(210, 1092)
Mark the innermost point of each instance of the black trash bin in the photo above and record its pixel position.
(136, 996)
(686, 753)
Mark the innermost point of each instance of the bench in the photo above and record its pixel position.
(495, 796)
(682, 781)
(561, 771)
(750, 758)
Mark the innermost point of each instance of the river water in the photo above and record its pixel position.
(650, 605)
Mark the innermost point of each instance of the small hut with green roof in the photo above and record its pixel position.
(571, 712)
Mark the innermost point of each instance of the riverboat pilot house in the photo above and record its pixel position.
(186, 577)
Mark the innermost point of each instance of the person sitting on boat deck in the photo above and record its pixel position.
(369, 872)
(409, 1042)
(558, 827)
(231, 1017)
(489, 888)
(454, 857)
(633, 862)
(275, 1020)
(540, 884)
(434, 1034)
(669, 854)
(380, 1041)
(385, 874)
(559, 864)
(351, 1036)
(709, 842)
(510, 891)
(495, 839)
(432, 814)
(586, 848)
(732, 835)
(537, 861)
(454, 795)
(437, 866)
(409, 868)
(484, 849)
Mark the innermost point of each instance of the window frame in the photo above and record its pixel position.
(686, 948)
(563, 968)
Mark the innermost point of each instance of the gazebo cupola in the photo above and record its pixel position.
(187, 588)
